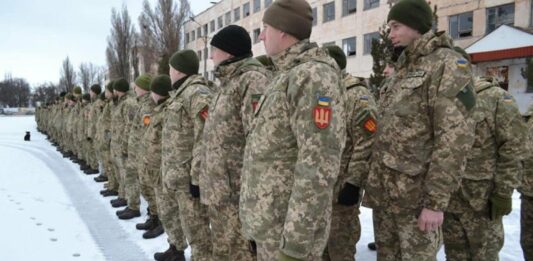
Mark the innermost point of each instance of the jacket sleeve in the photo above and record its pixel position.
(198, 114)
(318, 158)
(251, 87)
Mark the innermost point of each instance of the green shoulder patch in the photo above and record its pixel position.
(466, 97)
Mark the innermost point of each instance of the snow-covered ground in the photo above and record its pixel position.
(50, 210)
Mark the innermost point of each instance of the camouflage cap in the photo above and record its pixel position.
(76, 90)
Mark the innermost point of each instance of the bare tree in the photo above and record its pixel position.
(14, 92)
(119, 44)
(68, 76)
(89, 75)
(44, 93)
(161, 30)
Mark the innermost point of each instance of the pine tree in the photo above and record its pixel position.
(381, 52)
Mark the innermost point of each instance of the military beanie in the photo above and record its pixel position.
(76, 90)
(234, 40)
(121, 85)
(143, 82)
(462, 52)
(294, 17)
(109, 86)
(185, 61)
(337, 54)
(416, 14)
(161, 85)
(96, 89)
(86, 97)
(62, 94)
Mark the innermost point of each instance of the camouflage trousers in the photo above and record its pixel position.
(526, 223)
(466, 236)
(147, 183)
(119, 168)
(344, 233)
(168, 213)
(228, 243)
(496, 238)
(109, 170)
(131, 183)
(269, 251)
(398, 237)
(90, 152)
(195, 224)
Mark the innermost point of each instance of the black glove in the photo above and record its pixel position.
(195, 190)
(349, 195)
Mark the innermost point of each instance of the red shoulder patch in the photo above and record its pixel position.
(322, 116)
(204, 113)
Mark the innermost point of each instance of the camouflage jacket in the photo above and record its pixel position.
(230, 118)
(361, 124)
(494, 162)
(151, 140)
(182, 133)
(420, 147)
(293, 153)
(103, 134)
(145, 105)
(119, 118)
(96, 109)
(526, 188)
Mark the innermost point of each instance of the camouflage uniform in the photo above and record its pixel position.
(292, 156)
(361, 125)
(119, 141)
(492, 167)
(132, 131)
(230, 119)
(103, 138)
(420, 147)
(526, 189)
(182, 154)
(95, 111)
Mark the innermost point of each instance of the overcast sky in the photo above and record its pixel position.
(37, 35)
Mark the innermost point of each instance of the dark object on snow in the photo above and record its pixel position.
(129, 213)
(100, 178)
(154, 232)
(109, 193)
(90, 171)
(118, 202)
(150, 223)
(372, 246)
(27, 137)
(171, 252)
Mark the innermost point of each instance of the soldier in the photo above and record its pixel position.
(361, 125)
(167, 209)
(526, 190)
(95, 108)
(420, 147)
(242, 82)
(182, 150)
(293, 153)
(119, 138)
(104, 138)
(100, 105)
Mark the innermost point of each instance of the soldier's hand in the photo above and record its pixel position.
(500, 206)
(349, 195)
(194, 190)
(283, 257)
(430, 220)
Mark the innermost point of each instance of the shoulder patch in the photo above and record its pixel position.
(508, 98)
(322, 112)
(146, 119)
(204, 112)
(255, 101)
(467, 98)
(462, 63)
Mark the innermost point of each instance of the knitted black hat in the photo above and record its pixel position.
(96, 89)
(86, 97)
(416, 14)
(62, 94)
(234, 40)
(121, 85)
(161, 85)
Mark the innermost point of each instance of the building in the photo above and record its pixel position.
(352, 24)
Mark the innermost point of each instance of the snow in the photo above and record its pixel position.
(52, 211)
(503, 38)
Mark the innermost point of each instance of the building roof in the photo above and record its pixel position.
(506, 42)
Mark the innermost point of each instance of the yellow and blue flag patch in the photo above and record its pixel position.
(462, 63)
(324, 101)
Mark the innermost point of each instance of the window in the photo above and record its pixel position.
(228, 18)
(328, 44)
(237, 14)
(314, 16)
(187, 38)
(348, 7)
(461, 25)
(348, 46)
(499, 15)
(212, 26)
(369, 4)
(206, 29)
(193, 35)
(267, 3)
(246, 10)
(199, 32)
(368, 41)
(220, 22)
(257, 6)
(329, 12)
(257, 32)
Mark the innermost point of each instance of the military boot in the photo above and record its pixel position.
(119, 202)
(129, 213)
(109, 193)
(154, 232)
(169, 254)
(148, 224)
(84, 166)
(100, 178)
(372, 246)
(90, 171)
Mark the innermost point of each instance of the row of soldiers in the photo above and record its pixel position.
(274, 162)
